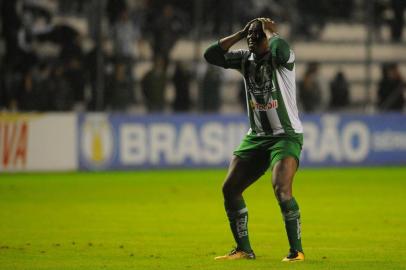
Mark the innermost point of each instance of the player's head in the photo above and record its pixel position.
(255, 37)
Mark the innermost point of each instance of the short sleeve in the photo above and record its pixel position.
(280, 50)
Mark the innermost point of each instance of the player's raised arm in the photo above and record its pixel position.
(217, 54)
(279, 47)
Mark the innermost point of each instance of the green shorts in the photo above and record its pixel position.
(270, 147)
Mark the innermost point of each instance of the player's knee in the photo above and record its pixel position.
(282, 192)
(229, 190)
(282, 179)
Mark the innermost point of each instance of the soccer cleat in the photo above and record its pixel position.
(294, 256)
(237, 254)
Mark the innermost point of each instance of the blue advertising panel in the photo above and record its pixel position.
(157, 141)
(127, 142)
(354, 140)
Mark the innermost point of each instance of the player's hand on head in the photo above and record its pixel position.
(244, 31)
(268, 25)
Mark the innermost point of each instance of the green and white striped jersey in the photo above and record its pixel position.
(269, 84)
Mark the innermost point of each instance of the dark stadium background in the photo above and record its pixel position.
(88, 48)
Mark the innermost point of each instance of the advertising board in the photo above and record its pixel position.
(38, 142)
(192, 141)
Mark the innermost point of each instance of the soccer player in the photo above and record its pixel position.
(275, 136)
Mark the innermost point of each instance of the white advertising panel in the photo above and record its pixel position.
(38, 142)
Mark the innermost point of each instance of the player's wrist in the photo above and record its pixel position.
(270, 34)
(241, 34)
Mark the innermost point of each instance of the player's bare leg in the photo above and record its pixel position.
(282, 179)
(241, 174)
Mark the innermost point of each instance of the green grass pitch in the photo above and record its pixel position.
(352, 219)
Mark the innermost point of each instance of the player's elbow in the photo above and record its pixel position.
(206, 55)
(209, 56)
(214, 59)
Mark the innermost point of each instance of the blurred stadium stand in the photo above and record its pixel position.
(347, 42)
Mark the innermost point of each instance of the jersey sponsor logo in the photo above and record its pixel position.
(273, 104)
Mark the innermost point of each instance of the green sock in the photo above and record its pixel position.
(237, 214)
(291, 216)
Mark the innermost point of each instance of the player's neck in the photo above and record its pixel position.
(261, 53)
(262, 50)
